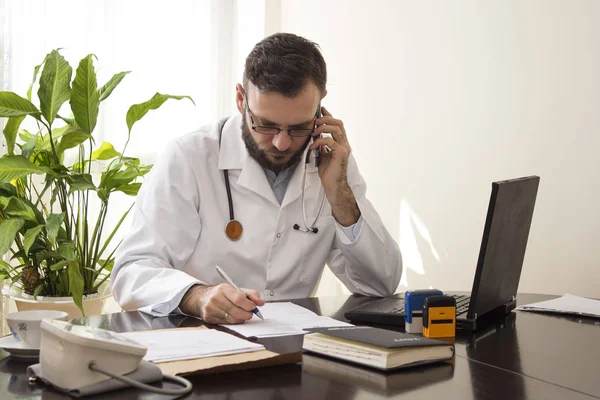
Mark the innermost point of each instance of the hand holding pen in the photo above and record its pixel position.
(221, 304)
(232, 283)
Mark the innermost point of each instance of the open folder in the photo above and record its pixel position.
(167, 348)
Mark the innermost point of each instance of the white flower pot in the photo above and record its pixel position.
(92, 304)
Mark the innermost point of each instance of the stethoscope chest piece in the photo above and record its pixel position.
(234, 230)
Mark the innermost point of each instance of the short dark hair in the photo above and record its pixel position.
(284, 63)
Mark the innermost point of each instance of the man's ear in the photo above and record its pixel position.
(239, 97)
(324, 94)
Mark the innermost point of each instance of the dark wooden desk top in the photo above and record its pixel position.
(521, 356)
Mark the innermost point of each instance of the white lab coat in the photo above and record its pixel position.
(178, 232)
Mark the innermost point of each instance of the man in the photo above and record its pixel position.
(252, 168)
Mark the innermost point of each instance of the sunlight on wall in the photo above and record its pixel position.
(411, 257)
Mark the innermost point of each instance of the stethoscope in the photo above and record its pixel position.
(234, 229)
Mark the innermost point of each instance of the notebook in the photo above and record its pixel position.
(374, 347)
(499, 266)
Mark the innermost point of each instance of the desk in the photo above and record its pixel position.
(523, 356)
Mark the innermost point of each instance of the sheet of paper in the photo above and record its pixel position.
(187, 344)
(283, 319)
(567, 304)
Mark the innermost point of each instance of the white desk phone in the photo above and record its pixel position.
(100, 357)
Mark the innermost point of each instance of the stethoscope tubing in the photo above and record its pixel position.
(312, 227)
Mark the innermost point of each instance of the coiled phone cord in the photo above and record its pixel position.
(170, 392)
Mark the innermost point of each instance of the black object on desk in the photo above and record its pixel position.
(498, 272)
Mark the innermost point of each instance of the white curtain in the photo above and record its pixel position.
(178, 47)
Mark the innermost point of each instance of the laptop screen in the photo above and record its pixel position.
(503, 244)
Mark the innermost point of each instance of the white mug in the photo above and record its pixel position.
(25, 325)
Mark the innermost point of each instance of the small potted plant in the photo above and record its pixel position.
(55, 253)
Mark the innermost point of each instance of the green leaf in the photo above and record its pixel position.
(36, 70)
(54, 195)
(16, 207)
(143, 169)
(114, 179)
(28, 148)
(131, 189)
(105, 152)
(8, 230)
(53, 223)
(80, 168)
(107, 265)
(54, 85)
(13, 105)
(25, 135)
(44, 143)
(59, 265)
(46, 255)
(37, 290)
(15, 167)
(30, 237)
(80, 182)
(102, 194)
(16, 277)
(59, 171)
(4, 265)
(45, 158)
(70, 121)
(72, 139)
(85, 99)
(10, 133)
(7, 190)
(67, 250)
(137, 111)
(76, 285)
(18, 254)
(107, 89)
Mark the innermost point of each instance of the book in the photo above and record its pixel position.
(377, 348)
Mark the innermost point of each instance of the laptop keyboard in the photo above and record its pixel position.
(462, 303)
(462, 306)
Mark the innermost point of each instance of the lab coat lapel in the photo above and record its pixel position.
(253, 178)
(232, 152)
(233, 155)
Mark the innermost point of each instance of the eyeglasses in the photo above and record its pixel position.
(274, 130)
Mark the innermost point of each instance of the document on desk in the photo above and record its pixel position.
(567, 304)
(188, 344)
(283, 319)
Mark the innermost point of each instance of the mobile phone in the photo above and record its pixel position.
(317, 151)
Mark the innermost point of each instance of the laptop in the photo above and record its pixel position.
(498, 272)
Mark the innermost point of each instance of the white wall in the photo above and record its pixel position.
(440, 98)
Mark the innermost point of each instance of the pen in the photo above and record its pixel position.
(232, 283)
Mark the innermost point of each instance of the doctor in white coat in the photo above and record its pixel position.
(251, 169)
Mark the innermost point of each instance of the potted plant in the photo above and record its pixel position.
(56, 255)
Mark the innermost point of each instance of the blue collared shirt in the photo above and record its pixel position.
(279, 183)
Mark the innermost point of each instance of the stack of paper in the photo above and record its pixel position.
(567, 304)
(187, 344)
(283, 319)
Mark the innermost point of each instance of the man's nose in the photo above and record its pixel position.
(282, 141)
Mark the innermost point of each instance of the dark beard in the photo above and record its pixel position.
(260, 155)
